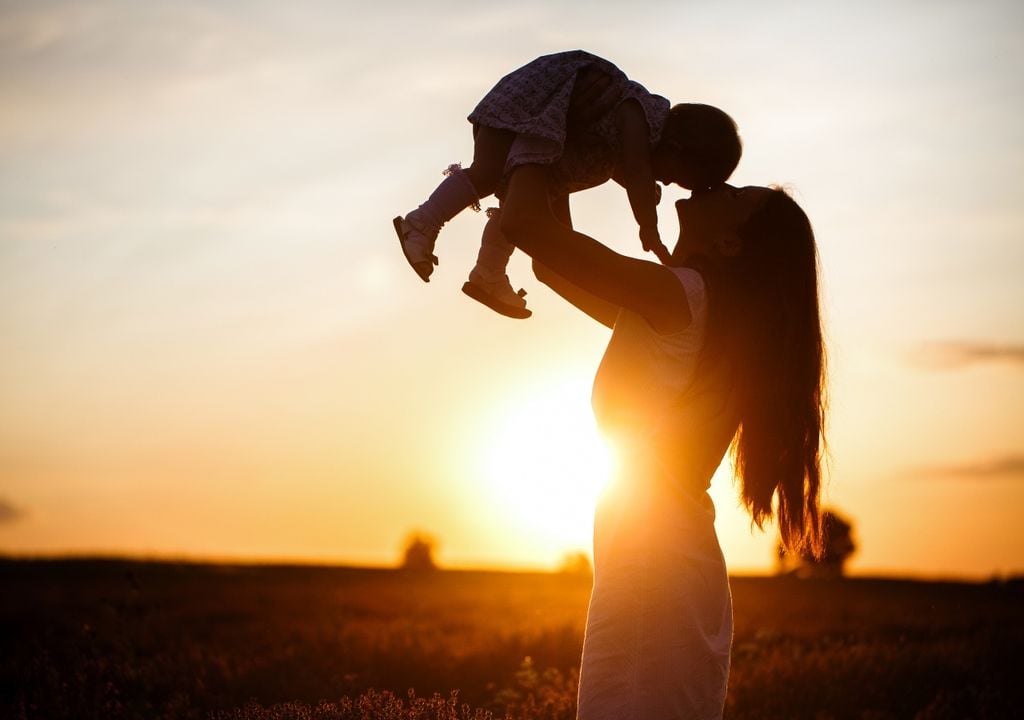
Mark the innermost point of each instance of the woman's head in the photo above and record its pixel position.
(710, 221)
(757, 249)
(699, 147)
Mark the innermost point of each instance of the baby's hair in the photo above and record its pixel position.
(708, 138)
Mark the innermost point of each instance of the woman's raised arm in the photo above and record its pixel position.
(647, 288)
(601, 310)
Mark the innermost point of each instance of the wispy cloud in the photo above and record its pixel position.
(9, 513)
(1005, 467)
(957, 354)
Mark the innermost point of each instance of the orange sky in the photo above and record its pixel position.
(212, 346)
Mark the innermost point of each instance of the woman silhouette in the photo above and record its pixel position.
(721, 348)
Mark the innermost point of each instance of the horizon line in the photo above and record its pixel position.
(269, 561)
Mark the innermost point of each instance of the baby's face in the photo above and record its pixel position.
(670, 165)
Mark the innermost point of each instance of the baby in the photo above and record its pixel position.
(636, 139)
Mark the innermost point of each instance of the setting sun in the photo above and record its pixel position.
(546, 463)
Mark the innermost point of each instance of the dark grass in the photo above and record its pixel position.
(118, 639)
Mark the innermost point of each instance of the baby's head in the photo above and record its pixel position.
(699, 147)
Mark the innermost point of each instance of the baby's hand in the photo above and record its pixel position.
(650, 239)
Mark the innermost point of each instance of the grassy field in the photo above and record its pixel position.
(110, 639)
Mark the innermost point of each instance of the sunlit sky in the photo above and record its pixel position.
(212, 347)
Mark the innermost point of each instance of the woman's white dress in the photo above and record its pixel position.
(659, 626)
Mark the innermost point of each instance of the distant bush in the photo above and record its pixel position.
(419, 552)
(576, 563)
(838, 547)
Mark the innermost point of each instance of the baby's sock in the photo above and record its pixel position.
(452, 196)
(495, 250)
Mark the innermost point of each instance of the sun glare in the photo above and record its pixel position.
(546, 464)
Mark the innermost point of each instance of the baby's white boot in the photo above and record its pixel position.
(488, 282)
(418, 230)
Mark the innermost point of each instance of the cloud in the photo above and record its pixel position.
(9, 513)
(1006, 467)
(958, 354)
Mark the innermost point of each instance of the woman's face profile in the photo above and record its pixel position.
(712, 217)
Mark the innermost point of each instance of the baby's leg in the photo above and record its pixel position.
(495, 250)
(460, 189)
(490, 151)
(488, 282)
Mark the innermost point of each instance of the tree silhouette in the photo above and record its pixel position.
(838, 547)
(419, 552)
(576, 563)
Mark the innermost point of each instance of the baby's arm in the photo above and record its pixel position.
(635, 174)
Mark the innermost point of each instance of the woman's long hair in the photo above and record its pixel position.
(764, 324)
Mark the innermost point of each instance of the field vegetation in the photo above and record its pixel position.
(126, 640)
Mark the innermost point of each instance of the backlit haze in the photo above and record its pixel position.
(212, 346)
